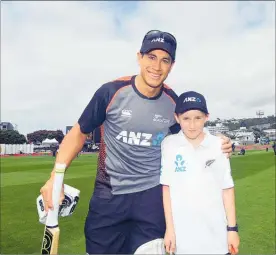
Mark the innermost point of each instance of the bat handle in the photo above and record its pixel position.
(52, 216)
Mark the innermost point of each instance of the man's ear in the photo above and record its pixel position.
(139, 57)
(171, 67)
(176, 118)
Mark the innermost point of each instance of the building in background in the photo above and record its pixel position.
(271, 134)
(260, 126)
(245, 138)
(218, 128)
(6, 126)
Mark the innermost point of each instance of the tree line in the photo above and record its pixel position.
(40, 135)
(11, 137)
(14, 137)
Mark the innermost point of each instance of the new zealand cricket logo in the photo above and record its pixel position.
(209, 162)
(179, 163)
(47, 242)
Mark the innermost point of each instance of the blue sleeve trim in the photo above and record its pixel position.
(94, 114)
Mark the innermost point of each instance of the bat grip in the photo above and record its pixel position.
(52, 216)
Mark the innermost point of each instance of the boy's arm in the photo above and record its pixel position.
(230, 208)
(229, 205)
(228, 192)
(165, 179)
(232, 235)
(168, 208)
(169, 238)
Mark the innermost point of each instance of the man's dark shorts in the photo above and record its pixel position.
(118, 224)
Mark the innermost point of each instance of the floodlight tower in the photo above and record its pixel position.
(260, 113)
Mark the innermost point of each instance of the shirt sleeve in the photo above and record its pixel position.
(166, 164)
(227, 179)
(95, 112)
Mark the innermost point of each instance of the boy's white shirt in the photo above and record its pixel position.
(197, 177)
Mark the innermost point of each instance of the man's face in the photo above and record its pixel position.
(192, 123)
(155, 67)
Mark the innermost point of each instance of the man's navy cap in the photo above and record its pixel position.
(190, 100)
(156, 39)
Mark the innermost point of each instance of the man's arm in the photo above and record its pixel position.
(92, 117)
(70, 146)
(226, 145)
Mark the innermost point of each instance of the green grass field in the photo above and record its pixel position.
(21, 179)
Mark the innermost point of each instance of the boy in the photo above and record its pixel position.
(198, 190)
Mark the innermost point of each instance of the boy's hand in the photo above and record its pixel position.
(226, 145)
(170, 242)
(233, 242)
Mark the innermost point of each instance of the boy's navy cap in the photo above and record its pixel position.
(156, 39)
(191, 100)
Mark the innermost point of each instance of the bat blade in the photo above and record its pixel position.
(50, 241)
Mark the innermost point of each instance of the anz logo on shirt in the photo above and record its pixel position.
(179, 163)
(143, 139)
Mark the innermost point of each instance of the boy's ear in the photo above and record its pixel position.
(176, 118)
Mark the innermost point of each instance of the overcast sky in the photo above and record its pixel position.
(55, 55)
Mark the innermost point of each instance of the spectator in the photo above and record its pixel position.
(242, 152)
(233, 147)
(54, 151)
(274, 147)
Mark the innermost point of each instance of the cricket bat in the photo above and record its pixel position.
(51, 233)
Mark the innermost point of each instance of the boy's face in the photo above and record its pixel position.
(192, 123)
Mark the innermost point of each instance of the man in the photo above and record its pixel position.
(233, 148)
(135, 114)
(242, 152)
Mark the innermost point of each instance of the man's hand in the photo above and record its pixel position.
(170, 242)
(233, 242)
(226, 145)
(46, 192)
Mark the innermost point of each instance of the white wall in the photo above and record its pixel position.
(16, 148)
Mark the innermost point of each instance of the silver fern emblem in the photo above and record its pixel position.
(209, 162)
